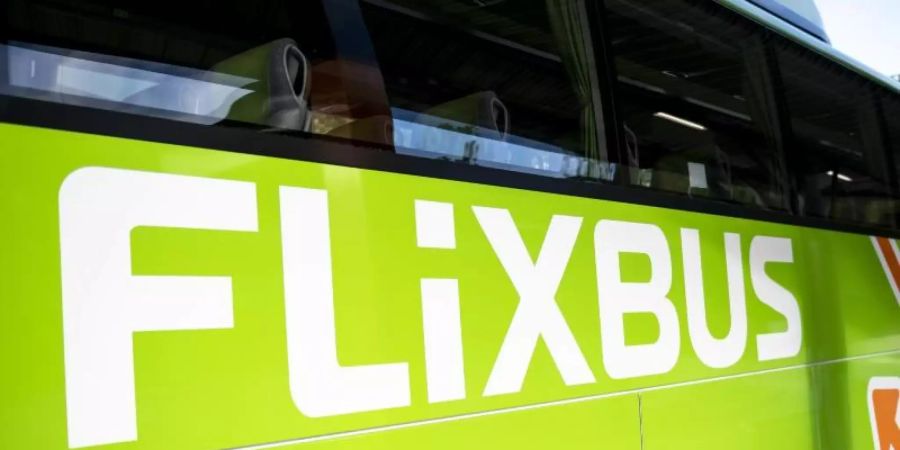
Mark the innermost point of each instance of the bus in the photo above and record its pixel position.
(443, 224)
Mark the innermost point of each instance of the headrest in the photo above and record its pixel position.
(483, 110)
(280, 97)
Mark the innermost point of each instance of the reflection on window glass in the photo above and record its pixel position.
(841, 167)
(692, 88)
(500, 84)
(507, 84)
(267, 64)
(890, 103)
(89, 79)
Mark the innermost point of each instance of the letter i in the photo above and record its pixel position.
(444, 373)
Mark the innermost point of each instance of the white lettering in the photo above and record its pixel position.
(617, 298)
(434, 225)
(103, 303)
(785, 344)
(319, 385)
(538, 315)
(444, 373)
(713, 352)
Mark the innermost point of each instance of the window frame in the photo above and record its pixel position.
(794, 158)
(344, 152)
(790, 160)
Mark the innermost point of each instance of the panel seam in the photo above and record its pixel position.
(641, 418)
(568, 401)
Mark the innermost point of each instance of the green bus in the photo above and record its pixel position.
(443, 224)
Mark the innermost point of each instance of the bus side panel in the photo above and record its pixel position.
(612, 423)
(231, 386)
(824, 406)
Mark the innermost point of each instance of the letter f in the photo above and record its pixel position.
(103, 303)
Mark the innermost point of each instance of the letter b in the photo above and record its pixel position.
(617, 298)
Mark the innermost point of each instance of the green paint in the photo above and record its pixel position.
(230, 387)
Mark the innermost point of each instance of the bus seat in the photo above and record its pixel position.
(745, 194)
(848, 209)
(882, 211)
(352, 92)
(483, 111)
(352, 89)
(672, 173)
(872, 210)
(280, 97)
(378, 129)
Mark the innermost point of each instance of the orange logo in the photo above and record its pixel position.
(889, 255)
(884, 413)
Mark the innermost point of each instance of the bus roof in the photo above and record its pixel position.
(803, 36)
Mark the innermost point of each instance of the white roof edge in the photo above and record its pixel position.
(800, 36)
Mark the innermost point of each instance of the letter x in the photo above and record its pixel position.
(538, 315)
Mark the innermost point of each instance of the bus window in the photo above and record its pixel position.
(504, 84)
(693, 92)
(890, 107)
(270, 65)
(839, 155)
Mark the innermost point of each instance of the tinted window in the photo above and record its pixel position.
(507, 84)
(272, 65)
(501, 84)
(694, 96)
(838, 143)
(711, 105)
(890, 103)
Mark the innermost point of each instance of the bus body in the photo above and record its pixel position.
(398, 224)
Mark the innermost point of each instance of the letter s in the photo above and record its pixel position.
(784, 344)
